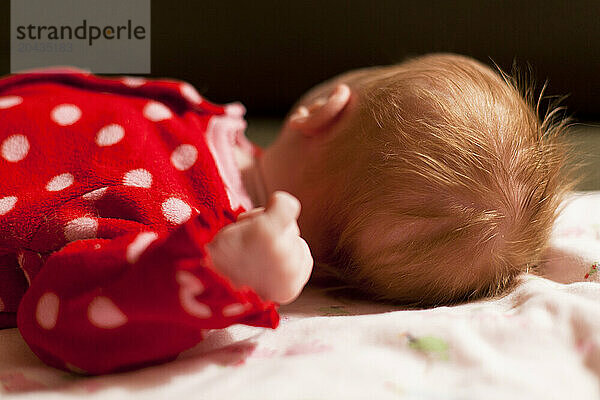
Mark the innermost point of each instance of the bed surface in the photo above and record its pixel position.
(542, 341)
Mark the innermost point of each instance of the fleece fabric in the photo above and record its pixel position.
(109, 190)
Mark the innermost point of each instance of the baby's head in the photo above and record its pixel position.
(427, 182)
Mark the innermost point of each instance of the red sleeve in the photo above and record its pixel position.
(105, 305)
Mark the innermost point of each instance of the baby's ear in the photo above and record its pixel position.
(321, 113)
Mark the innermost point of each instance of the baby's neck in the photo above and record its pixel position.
(251, 176)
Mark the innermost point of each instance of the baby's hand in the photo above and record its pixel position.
(263, 249)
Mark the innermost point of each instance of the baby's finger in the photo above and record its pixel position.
(282, 210)
(306, 261)
(293, 229)
(250, 213)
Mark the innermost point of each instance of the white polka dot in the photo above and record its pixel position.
(10, 101)
(60, 182)
(95, 194)
(139, 245)
(65, 114)
(233, 310)
(190, 287)
(156, 111)
(184, 156)
(46, 312)
(103, 313)
(138, 178)
(7, 204)
(190, 93)
(133, 81)
(81, 228)
(1, 305)
(15, 148)
(109, 135)
(176, 210)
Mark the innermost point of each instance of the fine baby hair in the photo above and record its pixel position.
(447, 183)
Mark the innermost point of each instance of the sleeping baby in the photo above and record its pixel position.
(135, 215)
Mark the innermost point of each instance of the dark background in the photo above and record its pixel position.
(267, 53)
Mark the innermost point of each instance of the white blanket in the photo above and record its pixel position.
(542, 341)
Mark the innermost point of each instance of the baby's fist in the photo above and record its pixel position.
(263, 249)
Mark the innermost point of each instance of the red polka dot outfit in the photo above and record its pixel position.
(109, 191)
